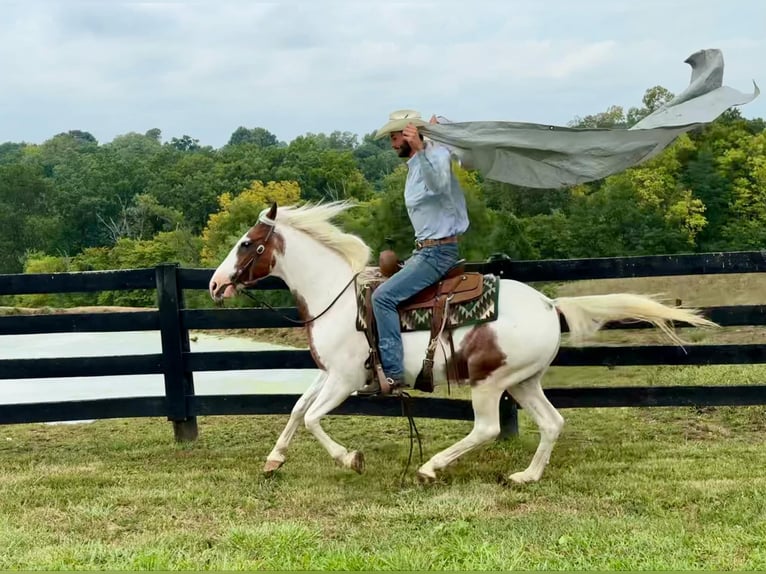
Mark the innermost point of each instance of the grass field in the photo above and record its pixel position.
(626, 488)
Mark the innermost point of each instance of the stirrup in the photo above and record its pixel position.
(371, 389)
(394, 387)
(374, 387)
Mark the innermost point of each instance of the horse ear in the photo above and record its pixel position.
(273, 211)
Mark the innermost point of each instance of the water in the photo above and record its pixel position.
(15, 391)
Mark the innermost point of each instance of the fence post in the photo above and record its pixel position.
(509, 416)
(179, 382)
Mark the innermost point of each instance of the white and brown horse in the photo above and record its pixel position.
(318, 262)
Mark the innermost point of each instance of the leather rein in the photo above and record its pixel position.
(291, 320)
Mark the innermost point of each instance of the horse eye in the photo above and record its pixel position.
(260, 249)
(245, 244)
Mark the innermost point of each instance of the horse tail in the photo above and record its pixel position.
(587, 314)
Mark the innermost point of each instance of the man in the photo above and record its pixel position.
(437, 210)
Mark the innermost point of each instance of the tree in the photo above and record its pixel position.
(185, 143)
(11, 152)
(745, 167)
(28, 220)
(238, 214)
(260, 137)
(613, 117)
(654, 98)
(644, 210)
(322, 172)
(547, 235)
(376, 160)
(186, 182)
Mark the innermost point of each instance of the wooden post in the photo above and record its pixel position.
(179, 382)
(509, 417)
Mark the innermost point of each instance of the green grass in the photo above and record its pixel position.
(626, 489)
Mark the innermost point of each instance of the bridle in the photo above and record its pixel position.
(260, 249)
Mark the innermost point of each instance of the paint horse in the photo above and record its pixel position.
(319, 262)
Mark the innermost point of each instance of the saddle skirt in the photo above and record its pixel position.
(475, 301)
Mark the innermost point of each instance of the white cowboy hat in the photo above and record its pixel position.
(398, 120)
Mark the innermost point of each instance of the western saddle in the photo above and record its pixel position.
(455, 286)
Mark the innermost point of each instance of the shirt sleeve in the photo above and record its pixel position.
(436, 167)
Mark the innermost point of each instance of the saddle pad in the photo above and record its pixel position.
(481, 310)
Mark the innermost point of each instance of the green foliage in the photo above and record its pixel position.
(324, 169)
(28, 219)
(745, 167)
(178, 246)
(237, 215)
(74, 202)
(256, 136)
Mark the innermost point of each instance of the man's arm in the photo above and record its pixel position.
(435, 161)
(435, 165)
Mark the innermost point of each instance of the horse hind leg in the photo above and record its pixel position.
(276, 457)
(529, 395)
(485, 399)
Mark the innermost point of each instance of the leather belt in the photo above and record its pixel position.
(431, 242)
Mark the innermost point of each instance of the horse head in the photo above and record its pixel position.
(251, 259)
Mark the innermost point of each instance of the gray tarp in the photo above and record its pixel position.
(545, 156)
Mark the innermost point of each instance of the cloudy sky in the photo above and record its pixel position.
(206, 67)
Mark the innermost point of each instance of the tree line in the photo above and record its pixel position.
(74, 204)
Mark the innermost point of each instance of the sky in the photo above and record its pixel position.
(204, 68)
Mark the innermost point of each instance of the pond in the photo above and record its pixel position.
(136, 343)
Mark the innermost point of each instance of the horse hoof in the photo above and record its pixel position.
(271, 467)
(521, 478)
(424, 478)
(356, 461)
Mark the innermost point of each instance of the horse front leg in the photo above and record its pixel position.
(276, 457)
(335, 390)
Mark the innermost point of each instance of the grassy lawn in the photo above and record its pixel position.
(626, 488)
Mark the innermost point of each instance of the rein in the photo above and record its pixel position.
(307, 322)
(407, 411)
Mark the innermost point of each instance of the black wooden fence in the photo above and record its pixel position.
(177, 363)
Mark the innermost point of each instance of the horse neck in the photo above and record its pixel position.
(312, 271)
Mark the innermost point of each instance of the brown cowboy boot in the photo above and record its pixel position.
(376, 387)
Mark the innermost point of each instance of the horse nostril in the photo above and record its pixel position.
(214, 286)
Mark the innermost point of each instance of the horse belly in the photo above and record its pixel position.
(526, 332)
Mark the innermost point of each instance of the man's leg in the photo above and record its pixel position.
(420, 271)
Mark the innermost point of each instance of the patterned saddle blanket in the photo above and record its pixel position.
(480, 310)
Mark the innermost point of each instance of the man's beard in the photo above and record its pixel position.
(405, 150)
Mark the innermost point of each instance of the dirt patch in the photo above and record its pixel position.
(290, 337)
(70, 310)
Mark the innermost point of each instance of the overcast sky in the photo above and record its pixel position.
(206, 67)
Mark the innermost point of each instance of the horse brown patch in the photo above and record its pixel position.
(303, 313)
(478, 356)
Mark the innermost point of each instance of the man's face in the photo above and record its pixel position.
(400, 145)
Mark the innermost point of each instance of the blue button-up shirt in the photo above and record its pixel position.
(434, 199)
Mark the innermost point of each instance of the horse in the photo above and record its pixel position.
(319, 262)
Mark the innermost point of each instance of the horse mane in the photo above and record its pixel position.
(314, 220)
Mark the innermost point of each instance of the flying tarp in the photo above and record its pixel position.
(545, 156)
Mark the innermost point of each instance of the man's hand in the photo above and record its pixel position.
(412, 136)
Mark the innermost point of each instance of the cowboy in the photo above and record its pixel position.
(436, 207)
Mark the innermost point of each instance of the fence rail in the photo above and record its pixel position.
(177, 364)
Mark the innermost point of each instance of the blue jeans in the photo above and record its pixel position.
(424, 268)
